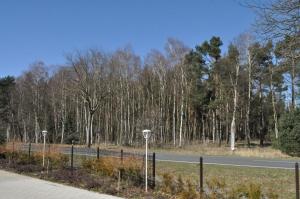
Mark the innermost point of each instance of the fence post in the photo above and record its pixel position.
(72, 154)
(121, 170)
(297, 179)
(29, 151)
(122, 155)
(153, 169)
(201, 176)
(98, 153)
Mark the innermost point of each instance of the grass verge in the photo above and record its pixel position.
(280, 182)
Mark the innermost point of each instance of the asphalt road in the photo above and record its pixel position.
(15, 186)
(229, 161)
(234, 161)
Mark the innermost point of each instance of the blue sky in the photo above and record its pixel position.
(47, 30)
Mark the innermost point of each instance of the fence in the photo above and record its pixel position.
(78, 154)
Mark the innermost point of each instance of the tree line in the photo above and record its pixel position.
(183, 95)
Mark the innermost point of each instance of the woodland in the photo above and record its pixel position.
(205, 94)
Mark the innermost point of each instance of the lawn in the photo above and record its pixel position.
(278, 181)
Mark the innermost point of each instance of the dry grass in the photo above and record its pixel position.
(191, 149)
(278, 182)
(110, 166)
(13, 146)
(210, 149)
(260, 152)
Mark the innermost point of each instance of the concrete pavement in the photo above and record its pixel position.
(15, 186)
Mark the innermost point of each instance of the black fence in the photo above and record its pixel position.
(78, 154)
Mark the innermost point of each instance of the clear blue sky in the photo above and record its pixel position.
(47, 30)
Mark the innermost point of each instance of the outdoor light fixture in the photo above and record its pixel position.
(44, 132)
(146, 134)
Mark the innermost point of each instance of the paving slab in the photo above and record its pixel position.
(15, 186)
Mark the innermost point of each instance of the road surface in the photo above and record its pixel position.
(229, 161)
(15, 186)
(191, 159)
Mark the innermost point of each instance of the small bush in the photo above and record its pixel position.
(104, 166)
(216, 187)
(3, 152)
(132, 170)
(180, 185)
(58, 160)
(168, 185)
(289, 133)
(271, 194)
(22, 159)
(249, 191)
(2, 138)
(109, 166)
(188, 193)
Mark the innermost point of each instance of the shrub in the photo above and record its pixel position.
(2, 138)
(168, 185)
(180, 184)
(250, 191)
(58, 160)
(289, 133)
(22, 158)
(188, 193)
(3, 152)
(271, 194)
(254, 191)
(104, 166)
(216, 187)
(131, 170)
(110, 166)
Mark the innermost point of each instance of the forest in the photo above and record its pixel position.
(204, 94)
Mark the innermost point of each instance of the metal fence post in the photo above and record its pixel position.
(29, 151)
(297, 179)
(122, 155)
(153, 169)
(98, 153)
(121, 168)
(201, 176)
(72, 154)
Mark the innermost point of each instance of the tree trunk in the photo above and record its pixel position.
(293, 75)
(36, 128)
(249, 100)
(8, 133)
(174, 116)
(213, 126)
(273, 103)
(227, 123)
(233, 122)
(181, 119)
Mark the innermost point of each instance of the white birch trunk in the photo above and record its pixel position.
(233, 122)
(174, 117)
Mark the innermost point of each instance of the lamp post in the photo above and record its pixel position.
(44, 132)
(146, 134)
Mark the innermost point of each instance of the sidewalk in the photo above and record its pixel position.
(15, 186)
